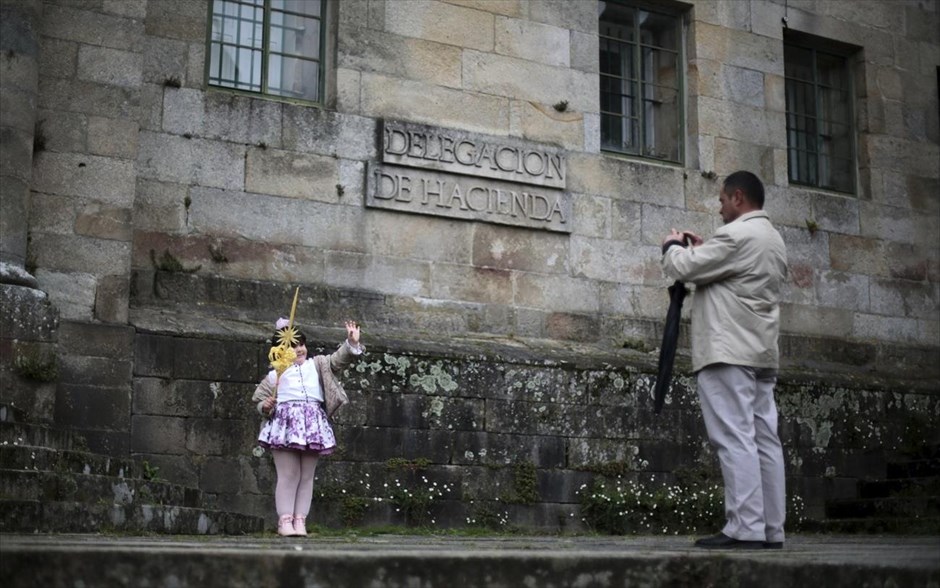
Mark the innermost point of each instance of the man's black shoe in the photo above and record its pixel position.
(773, 544)
(722, 541)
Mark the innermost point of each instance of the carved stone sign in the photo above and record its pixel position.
(444, 172)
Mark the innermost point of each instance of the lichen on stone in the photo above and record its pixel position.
(400, 364)
(434, 379)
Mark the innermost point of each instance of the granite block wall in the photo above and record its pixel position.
(141, 158)
(163, 222)
(452, 435)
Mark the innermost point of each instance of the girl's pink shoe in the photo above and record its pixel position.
(300, 527)
(285, 526)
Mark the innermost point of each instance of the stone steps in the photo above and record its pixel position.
(34, 516)
(906, 500)
(17, 434)
(898, 487)
(49, 483)
(37, 458)
(48, 486)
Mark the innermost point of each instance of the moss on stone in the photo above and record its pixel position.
(402, 464)
(636, 345)
(524, 484)
(353, 509)
(169, 263)
(35, 365)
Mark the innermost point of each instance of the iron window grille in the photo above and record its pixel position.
(640, 81)
(820, 120)
(271, 47)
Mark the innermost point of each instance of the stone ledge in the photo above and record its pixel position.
(817, 362)
(198, 307)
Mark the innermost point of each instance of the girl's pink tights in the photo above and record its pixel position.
(294, 490)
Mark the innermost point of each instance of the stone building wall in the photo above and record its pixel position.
(161, 208)
(250, 188)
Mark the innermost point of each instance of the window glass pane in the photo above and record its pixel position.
(227, 70)
(832, 71)
(619, 134)
(295, 35)
(801, 98)
(217, 9)
(802, 167)
(661, 116)
(793, 170)
(611, 138)
(609, 61)
(297, 78)
(835, 170)
(834, 105)
(819, 119)
(659, 67)
(658, 30)
(798, 63)
(235, 68)
(617, 59)
(836, 173)
(617, 21)
(237, 29)
(639, 46)
(230, 30)
(801, 132)
(248, 69)
(242, 53)
(834, 139)
(308, 7)
(617, 96)
(250, 27)
(215, 63)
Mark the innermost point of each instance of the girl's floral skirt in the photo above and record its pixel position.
(298, 425)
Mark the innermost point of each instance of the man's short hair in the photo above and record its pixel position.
(749, 184)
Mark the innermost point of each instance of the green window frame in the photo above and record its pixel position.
(820, 117)
(269, 47)
(641, 80)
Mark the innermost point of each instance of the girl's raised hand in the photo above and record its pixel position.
(352, 332)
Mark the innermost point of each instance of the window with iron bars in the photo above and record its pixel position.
(272, 47)
(820, 121)
(640, 81)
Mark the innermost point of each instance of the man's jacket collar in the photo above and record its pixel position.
(753, 214)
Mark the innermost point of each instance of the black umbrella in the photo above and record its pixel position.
(667, 352)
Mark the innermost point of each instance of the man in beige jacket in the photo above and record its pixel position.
(739, 276)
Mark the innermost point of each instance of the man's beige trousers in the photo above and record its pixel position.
(741, 420)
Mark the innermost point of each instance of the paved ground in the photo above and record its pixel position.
(431, 561)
